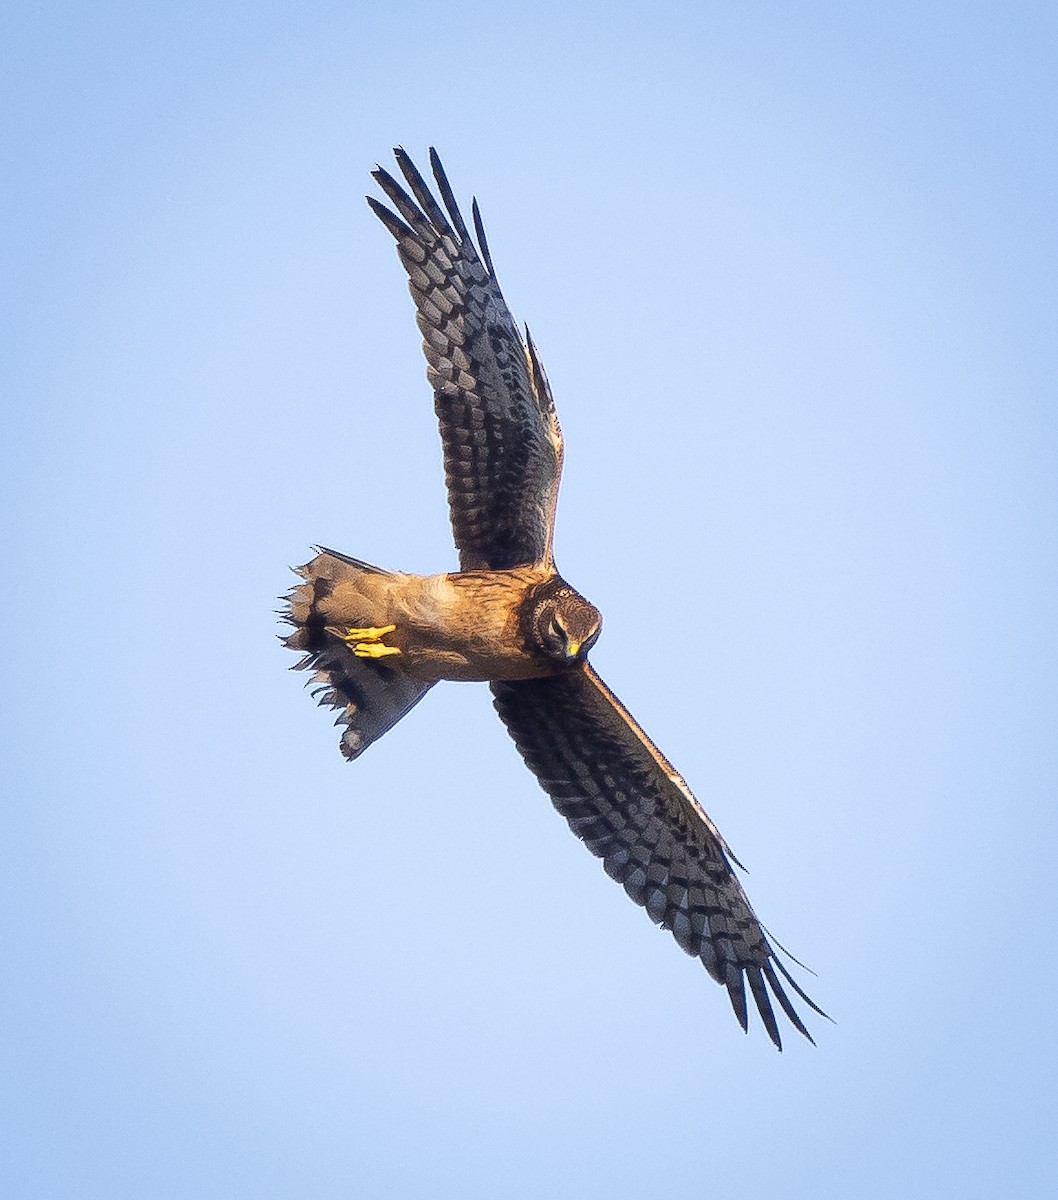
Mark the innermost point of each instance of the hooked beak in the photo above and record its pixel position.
(572, 649)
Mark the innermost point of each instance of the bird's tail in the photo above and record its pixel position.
(339, 592)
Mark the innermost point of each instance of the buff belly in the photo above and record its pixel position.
(463, 626)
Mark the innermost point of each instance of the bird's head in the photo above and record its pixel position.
(563, 625)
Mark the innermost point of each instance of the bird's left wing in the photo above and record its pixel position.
(625, 801)
(501, 438)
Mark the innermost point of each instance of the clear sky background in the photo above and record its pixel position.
(792, 270)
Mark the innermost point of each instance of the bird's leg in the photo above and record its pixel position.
(367, 642)
(373, 650)
(369, 633)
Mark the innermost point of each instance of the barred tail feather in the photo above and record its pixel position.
(369, 696)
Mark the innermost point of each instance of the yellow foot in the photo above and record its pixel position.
(373, 650)
(370, 634)
(367, 642)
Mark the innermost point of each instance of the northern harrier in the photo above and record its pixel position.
(377, 640)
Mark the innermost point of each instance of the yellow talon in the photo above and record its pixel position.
(373, 650)
(370, 634)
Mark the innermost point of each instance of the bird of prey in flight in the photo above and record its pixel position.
(378, 640)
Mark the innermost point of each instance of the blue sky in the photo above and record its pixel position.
(792, 271)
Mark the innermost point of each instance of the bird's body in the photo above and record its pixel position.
(467, 626)
(378, 640)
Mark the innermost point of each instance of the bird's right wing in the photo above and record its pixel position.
(501, 438)
(628, 805)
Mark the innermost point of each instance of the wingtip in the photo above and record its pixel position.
(483, 241)
(755, 977)
(736, 991)
(801, 992)
(397, 228)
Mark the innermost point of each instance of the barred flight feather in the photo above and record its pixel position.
(619, 795)
(499, 432)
